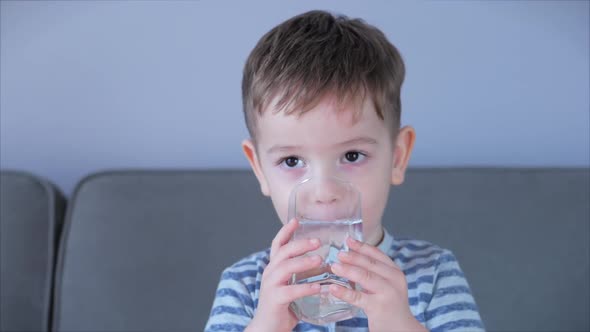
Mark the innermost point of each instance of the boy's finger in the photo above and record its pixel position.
(371, 251)
(283, 236)
(288, 294)
(368, 263)
(284, 270)
(368, 280)
(295, 248)
(353, 297)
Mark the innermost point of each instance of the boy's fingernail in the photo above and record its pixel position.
(314, 242)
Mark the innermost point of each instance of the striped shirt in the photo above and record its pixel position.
(438, 293)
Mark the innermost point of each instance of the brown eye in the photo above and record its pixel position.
(291, 161)
(351, 156)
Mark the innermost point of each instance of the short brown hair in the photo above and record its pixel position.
(316, 53)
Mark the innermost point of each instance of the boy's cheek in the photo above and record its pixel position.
(280, 177)
(280, 208)
(280, 193)
(374, 198)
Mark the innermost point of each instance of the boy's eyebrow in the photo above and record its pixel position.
(358, 140)
(283, 148)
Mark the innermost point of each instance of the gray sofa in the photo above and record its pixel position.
(31, 214)
(143, 250)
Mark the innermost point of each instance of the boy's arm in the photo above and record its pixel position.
(452, 306)
(233, 307)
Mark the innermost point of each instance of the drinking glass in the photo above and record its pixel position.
(328, 209)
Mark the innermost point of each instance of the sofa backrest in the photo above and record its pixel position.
(31, 211)
(522, 237)
(143, 250)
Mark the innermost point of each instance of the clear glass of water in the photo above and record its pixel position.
(328, 209)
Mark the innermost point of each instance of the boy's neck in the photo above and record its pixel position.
(377, 239)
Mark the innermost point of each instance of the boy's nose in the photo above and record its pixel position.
(326, 194)
(326, 200)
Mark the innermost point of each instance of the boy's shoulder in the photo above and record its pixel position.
(419, 258)
(248, 267)
(259, 257)
(408, 253)
(415, 246)
(404, 251)
(412, 255)
(406, 248)
(402, 248)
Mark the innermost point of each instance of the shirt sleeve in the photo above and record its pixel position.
(452, 306)
(233, 307)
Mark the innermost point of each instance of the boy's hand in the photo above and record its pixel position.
(273, 313)
(385, 293)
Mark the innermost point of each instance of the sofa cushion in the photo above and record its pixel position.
(143, 250)
(31, 211)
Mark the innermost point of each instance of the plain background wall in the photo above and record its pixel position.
(89, 85)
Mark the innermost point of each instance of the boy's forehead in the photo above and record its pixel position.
(328, 121)
(346, 110)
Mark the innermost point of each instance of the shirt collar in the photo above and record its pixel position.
(386, 242)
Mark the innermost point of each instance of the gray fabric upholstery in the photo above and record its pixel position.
(143, 250)
(31, 210)
(521, 237)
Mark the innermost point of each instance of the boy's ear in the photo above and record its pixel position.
(404, 144)
(250, 152)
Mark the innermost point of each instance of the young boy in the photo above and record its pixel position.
(321, 96)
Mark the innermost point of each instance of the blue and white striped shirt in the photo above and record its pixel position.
(438, 293)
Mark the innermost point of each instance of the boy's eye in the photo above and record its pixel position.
(353, 156)
(292, 162)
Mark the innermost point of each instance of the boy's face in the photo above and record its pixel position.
(326, 141)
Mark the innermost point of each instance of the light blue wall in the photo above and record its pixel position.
(89, 85)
